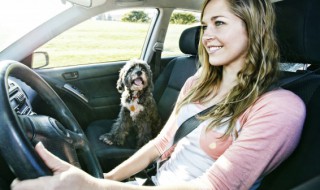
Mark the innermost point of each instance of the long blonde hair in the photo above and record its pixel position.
(258, 74)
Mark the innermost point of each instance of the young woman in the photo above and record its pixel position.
(250, 130)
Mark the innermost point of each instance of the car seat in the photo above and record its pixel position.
(298, 29)
(166, 89)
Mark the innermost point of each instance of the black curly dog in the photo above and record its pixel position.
(138, 107)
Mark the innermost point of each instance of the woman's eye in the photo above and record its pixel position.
(219, 23)
(204, 27)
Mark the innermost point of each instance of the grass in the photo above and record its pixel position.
(105, 41)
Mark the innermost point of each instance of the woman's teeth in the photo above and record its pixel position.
(213, 49)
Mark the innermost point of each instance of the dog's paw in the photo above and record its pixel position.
(106, 138)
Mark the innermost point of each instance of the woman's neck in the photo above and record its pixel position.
(229, 80)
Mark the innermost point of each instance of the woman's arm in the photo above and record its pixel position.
(270, 132)
(66, 176)
(140, 160)
(147, 154)
(152, 150)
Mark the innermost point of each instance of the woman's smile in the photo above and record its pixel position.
(213, 49)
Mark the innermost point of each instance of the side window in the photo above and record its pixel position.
(112, 36)
(179, 21)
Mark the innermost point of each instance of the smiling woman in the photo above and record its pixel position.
(245, 140)
(19, 17)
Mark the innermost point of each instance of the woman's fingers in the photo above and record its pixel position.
(54, 163)
(40, 183)
(65, 175)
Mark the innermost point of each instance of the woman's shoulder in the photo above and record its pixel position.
(281, 96)
(278, 107)
(278, 101)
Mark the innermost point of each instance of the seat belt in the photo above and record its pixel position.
(185, 128)
(157, 48)
(189, 125)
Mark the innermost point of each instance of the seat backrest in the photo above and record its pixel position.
(177, 71)
(298, 29)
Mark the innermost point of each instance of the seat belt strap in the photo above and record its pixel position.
(189, 125)
(157, 48)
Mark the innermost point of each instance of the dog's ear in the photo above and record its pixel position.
(120, 85)
(120, 82)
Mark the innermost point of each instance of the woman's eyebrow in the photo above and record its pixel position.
(216, 17)
(213, 18)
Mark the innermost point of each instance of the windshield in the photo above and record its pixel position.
(18, 17)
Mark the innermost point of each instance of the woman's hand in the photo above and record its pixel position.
(65, 175)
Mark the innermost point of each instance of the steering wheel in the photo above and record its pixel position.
(63, 137)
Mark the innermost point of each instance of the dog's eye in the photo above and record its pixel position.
(143, 68)
(130, 70)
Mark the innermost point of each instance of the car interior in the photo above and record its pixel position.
(297, 31)
(296, 47)
(166, 90)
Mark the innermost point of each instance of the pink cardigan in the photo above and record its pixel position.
(270, 131)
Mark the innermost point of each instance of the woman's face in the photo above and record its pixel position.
(225, 37)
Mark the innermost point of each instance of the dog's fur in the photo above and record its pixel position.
(138, 107)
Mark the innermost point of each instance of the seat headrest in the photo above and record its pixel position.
(189, 40)
(298, 30)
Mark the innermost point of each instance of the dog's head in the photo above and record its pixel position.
(135, 75)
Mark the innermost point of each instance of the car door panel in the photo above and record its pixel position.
(89, 91)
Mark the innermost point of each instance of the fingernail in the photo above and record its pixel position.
(39, 144)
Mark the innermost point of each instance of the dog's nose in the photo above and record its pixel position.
(139, 73)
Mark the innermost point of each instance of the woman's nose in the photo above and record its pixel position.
(208, 34)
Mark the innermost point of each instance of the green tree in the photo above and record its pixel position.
(136, 16)
(182, 18)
